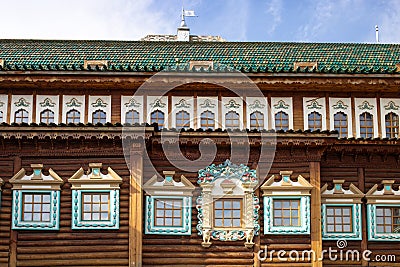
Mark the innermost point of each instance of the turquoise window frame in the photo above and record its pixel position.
(373, 235)
(303, 228)
(184, 229)
(355, 234)
(17, 205)
(79, 223)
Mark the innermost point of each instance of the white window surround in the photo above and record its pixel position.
(207, 104)
(284, 104)
(228, 180)
(170, 190)
(129, 103)
(157, 103)
(340, 197)
(286, 189)
(99, 103)
(232, 104)
(387, 197)
(388, 105)
(73, 102)
(259, 104)
(4, 107)
(341, 105)
(182, 103)
(36, 183)
(50, 102)
(314, 104)
(366, 105)
(21, 102)
(95, 182)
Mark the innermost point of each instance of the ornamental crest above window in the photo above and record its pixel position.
(227, 207)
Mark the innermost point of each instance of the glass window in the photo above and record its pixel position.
(182, 120)
(281, 121)
(96, 206)
(286, 212)
(168, 212)
(366, 125)
(1, 116)
(231, 120)
(339, 219)
(158, 117)
(388, 219)
(132, 117)
(99, 116)
(392, 125)
(257, 120)
(207, 120)
(340, 124)
(36, 207)
(73, 116)
(314, 121)
(47, 116)
(228, 213)
(21, 116)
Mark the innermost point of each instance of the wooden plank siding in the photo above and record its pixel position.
(67, 247)
(375, 170)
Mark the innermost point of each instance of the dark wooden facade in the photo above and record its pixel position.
(319, 157)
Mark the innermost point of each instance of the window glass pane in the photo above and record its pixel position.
(168, 221)
(218, 222)
(104, 216)
(27, 216)
(95, 216)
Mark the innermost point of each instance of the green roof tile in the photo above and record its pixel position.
(245, 56)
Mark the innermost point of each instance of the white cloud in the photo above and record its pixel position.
(325, 16)
(274, 9)
(389, 23)
(88, 19)
(232, 19)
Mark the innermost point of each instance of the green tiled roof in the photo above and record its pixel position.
(154, 56)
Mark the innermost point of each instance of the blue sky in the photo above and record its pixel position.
(234, 20)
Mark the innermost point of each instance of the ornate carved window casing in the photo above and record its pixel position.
(3, 108)
(282, 113)
(286, 205)
(95, 198)
(207, 110)
(314, 113)
(47, 109)
(341, 212)
(232, 113)
(157, 111)
(73, 108)
(383, 212)
(132, 109)
(389, 116)
(341, 116)
(99, 109)
(168, 207)
(21, 108)
(36, 200)
(366, 117)
(235, 184)
(183, 112)
(257, 110)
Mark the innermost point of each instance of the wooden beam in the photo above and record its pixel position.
(14, 234)
(364, 241)
(316, 236)
(136, 205)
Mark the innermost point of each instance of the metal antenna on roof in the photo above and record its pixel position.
(377, 33)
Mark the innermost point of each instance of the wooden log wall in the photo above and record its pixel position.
(65, 247)
(364, 171)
